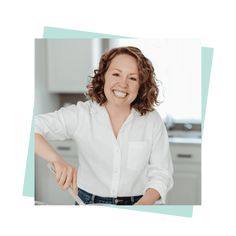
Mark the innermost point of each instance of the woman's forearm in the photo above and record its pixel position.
(66, 175)
(149, 198)
(43, 149)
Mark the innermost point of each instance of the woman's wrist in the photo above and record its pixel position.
(45, 150)
(56, 158)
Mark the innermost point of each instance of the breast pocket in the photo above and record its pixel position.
(138, 155)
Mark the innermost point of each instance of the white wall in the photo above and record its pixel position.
(44, 102)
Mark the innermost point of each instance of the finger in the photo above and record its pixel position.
(69, 177)
(74, 184)
(58, 174)
(62, 178)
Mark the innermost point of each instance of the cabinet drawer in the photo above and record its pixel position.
(186, 153)
(65, 148)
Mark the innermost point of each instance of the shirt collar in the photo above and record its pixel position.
(95, 108)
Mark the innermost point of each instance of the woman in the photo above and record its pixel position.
(123, 148)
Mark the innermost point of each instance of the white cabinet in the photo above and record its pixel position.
(187, 174)
(46, 189)
(70, 62)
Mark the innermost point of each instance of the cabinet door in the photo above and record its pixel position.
(185, 190)
(187, 175)
(70, 62)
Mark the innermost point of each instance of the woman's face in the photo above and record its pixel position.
(122, 81)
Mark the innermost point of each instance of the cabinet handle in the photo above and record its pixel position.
(184, 155)
(63, 148)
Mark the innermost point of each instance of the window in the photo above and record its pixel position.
(177, 64)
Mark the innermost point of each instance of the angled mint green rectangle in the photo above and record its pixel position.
(28, 188)
(207, 55)
(58, 33)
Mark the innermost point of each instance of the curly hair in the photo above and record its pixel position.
(148, 90)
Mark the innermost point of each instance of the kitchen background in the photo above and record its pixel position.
(62, 70)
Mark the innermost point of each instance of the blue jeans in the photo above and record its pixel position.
(89, 198)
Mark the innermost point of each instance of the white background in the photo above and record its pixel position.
(177, 65)
(212, 21)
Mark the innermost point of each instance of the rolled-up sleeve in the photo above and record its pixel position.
(160, 168)
(57, 125)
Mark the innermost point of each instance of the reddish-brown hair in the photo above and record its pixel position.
(148, 90)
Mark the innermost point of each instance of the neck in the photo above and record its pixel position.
(117, 110)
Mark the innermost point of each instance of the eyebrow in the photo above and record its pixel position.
(121, 71)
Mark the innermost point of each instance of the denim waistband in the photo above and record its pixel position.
(89, 198)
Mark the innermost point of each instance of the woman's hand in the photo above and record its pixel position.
(149, 198)
(144, 201)
(66, 175)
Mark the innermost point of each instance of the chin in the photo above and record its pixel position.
(118, 103)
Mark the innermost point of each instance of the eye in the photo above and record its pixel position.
(133, 78)
(115, 74)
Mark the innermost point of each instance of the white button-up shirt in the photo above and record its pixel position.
(138, 159)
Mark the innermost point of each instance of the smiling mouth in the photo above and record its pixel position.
(119, 94)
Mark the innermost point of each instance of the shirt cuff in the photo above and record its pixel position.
(38, 129)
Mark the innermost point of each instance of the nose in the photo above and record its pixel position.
(124, 81)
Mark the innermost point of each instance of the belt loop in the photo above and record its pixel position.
(92, 198)
(115, 200)
(132, 199)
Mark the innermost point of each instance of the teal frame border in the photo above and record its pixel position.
(206, 64)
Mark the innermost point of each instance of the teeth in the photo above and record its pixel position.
(120, 94)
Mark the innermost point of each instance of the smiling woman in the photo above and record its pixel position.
(126, 66)
(123, 147)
